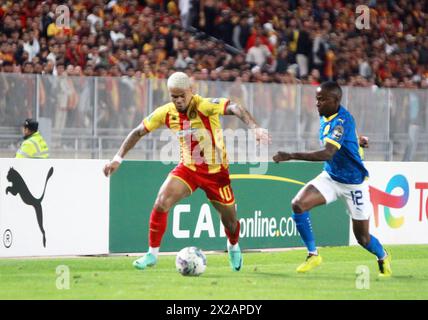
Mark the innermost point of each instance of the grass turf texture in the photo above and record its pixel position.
(267, 275)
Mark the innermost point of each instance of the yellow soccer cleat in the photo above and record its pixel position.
(312, 261)
(385, 270)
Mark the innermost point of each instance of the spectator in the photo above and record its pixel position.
(271, 34)
(319, 51)
(209, 11)
(292, 36)
(94, 19)
(304, 50)
(224, 27)
(283, 61)
(364, 67)
(241, 33)
(258, 54)
(116, 33)
(183, 59)
(31, 44)
(185, 7)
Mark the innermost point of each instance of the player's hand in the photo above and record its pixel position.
(363, 141)
(281, 156)
(110, 168)
(263, 136)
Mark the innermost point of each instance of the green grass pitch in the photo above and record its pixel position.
(265, 275)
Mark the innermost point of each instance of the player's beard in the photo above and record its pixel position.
(182, 110)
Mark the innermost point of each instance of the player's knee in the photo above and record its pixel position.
(161, 207)
(162, 203)
(297, 206)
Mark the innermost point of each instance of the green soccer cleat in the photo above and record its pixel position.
(235, 258)
(311, 262)
(148, 260)
(385, 270)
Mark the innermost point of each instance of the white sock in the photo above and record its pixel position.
(384, 256)
(315, 253)
(232, 246)
(154, 251)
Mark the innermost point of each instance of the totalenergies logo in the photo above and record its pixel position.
(388, 200)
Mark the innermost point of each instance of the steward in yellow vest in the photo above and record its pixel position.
(33, 146)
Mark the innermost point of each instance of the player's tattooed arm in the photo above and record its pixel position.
(238, 110)
(131, 140)
(321, 155)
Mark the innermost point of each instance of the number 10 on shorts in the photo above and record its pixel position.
(225, 193)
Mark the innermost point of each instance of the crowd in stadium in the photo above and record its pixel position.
(297, 41)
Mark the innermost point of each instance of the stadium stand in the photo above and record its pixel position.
(94, 78)
(312, 40)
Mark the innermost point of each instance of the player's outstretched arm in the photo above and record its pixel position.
(130, 141)
(238, 110)
(321, 155)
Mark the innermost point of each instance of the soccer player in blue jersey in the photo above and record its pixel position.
(344, 176)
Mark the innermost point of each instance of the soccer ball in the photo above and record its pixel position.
(191, 261)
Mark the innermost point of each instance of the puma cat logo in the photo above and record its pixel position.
(19, 186)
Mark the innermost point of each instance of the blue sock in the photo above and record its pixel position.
(304, 226)
(375, 247)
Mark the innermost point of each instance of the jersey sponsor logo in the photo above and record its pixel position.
(215, 100)
(337, 132)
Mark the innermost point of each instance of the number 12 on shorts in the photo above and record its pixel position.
(357, 197)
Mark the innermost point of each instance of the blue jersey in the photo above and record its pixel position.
(346, 166)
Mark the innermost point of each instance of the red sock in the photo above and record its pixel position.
(157, 227)
(233, 238)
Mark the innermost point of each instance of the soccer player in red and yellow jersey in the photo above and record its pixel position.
(203, 161)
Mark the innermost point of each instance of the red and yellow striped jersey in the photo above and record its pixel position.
(198, 131)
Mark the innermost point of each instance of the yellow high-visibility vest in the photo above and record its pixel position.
(33, 147)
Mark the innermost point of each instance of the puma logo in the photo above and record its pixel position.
(20, 187)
